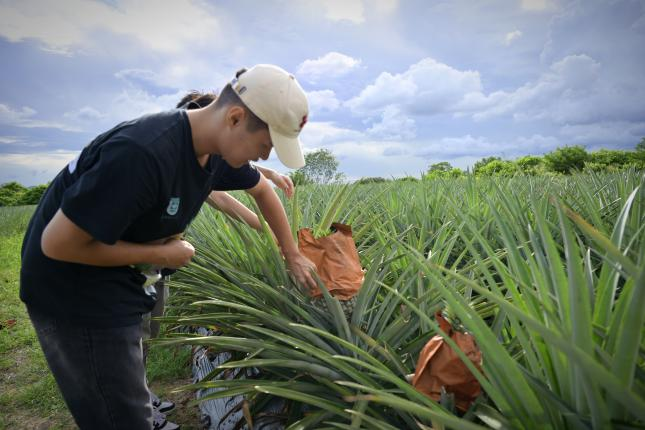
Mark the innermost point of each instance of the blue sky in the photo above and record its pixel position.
(393, 86)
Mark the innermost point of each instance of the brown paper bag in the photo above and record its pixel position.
(336, 261)
(439, 366)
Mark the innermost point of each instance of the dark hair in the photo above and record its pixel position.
(228, 97)
(195, 100)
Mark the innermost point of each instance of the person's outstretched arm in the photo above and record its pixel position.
(281, 181)
(272, 210)
(231, 206)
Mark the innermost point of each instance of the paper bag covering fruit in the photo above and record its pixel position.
(337, 264)
(439, 366)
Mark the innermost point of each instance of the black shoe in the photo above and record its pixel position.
(164, 406)
(167, 425)
(159, 422)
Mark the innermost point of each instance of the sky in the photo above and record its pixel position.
(393, 85)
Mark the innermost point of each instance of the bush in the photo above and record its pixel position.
(11, 193)
(32, 195)
(530, 165)
(567, 159)
(637, 159)
(483, 162)
(498, 168)
(443, 170)
(609, 157)
(371, 180)
(408, 179)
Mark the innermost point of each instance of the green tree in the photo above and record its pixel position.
(408, 179)
(640, 146)
(11, 193)
(320, 167)
(443, 170)
(566, 159)
(298, 178)
(498, 168)
(637, 159)
(371, 180)
(32, 195)
(607, 160)
(530, 165)
(609, 157)
(443, 166)
(481, 163)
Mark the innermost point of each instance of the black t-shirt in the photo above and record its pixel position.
(138, 182)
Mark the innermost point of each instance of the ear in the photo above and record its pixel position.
(235, 115)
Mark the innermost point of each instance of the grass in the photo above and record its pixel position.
(29, 396)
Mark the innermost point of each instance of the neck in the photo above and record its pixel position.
(203, 126)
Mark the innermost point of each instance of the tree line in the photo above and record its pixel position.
(562, 161)
(14, 194)
(322, 168)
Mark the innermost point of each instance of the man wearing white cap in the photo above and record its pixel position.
(112, 208)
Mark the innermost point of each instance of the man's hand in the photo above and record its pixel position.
(298, 265)
(281, 181)
(301, 269)
(177, 253)
(63, 240)
(284, 183)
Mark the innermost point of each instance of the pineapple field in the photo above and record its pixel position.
(545, 273)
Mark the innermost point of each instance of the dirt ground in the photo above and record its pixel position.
(184, 415)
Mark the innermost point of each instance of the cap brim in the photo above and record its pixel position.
(288, 149)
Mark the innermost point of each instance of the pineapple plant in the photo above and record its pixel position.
(544, 272)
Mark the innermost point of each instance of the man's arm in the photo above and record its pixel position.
(272, 210)
(281, 181)
(231, 206)
(65, 241)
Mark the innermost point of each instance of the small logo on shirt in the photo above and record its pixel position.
(173, 206)
(72, 164)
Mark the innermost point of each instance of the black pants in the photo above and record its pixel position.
(99, 371)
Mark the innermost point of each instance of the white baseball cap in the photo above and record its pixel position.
(275, 97)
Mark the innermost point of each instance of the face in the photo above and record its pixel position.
(243, 146)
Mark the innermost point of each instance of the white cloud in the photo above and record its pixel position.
(482, 146)
(25, 118)
(64, 26)
(324, 100)
(86, 113)
(128, 104)
(182, 73)
(537, 5)
(621, 134)
(427, 87)
(511, 36)
(331, 65)
(393, 125)
(573, 90)
(33, 168)
(137, 75)
(132, 103)
(10, 140)
(344, 10)
(318, 134)
(384, 6)
(355, 11)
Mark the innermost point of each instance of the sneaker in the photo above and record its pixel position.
(159, 422)
(164, 406)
